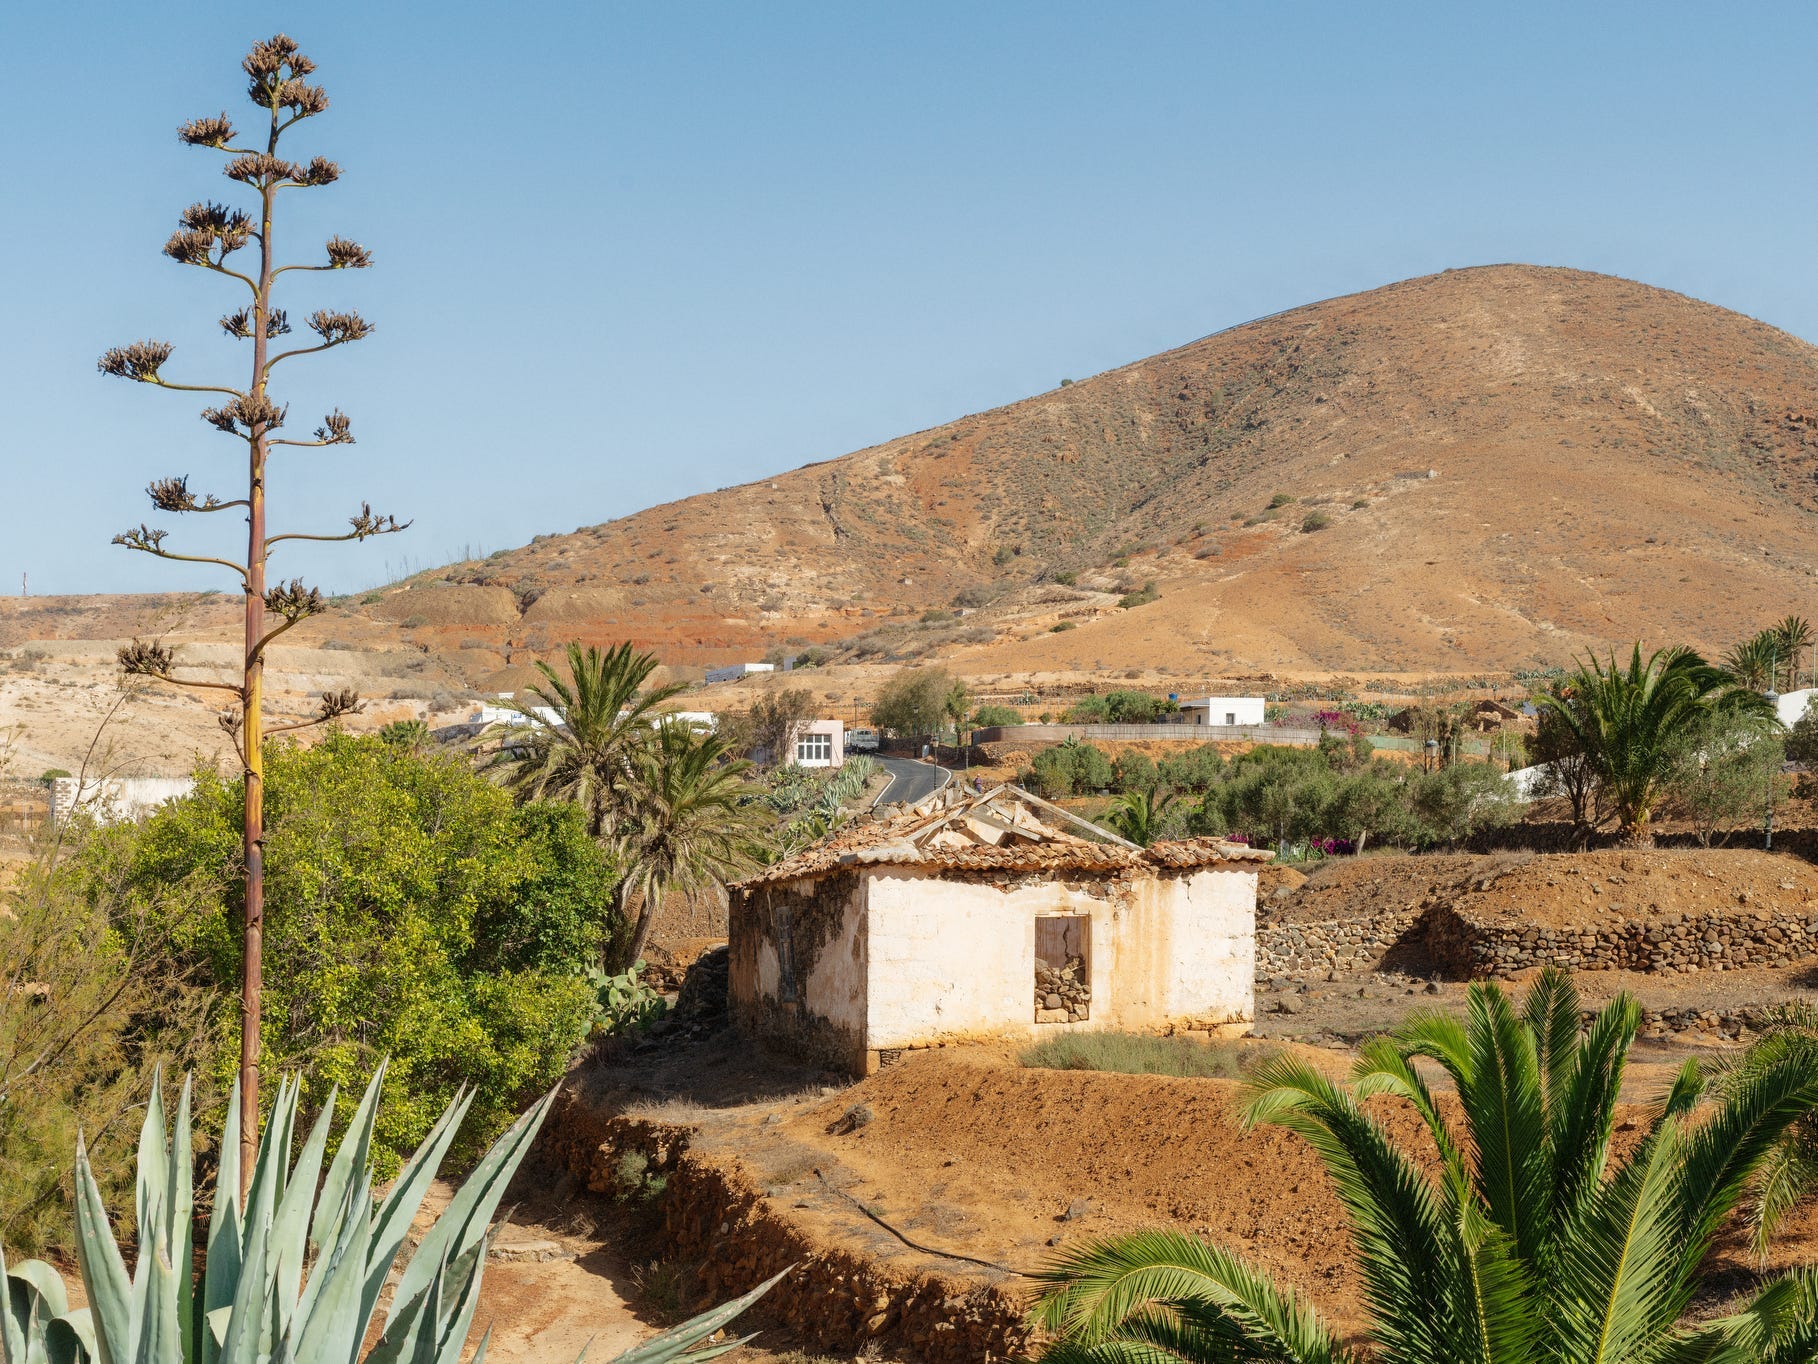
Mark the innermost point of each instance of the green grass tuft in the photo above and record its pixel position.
(1137, 1054)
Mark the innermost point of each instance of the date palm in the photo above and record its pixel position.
(695, 821)
(1531, 1242)
(1629, 720)
(589, 752)
(1794, 636)
(1754, 662)
(1138, 816)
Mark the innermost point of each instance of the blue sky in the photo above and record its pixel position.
(630, 252)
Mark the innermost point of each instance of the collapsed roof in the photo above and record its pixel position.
(1003, 829)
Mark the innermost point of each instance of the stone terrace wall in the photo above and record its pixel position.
(837, 1300)
(1671, 943)
(1305, 949)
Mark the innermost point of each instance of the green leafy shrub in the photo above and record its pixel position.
(1133, 772)
(1315, 521)
(989, 716)
(85, 1018)
(1141, 597)
(1121, 707)
(412, 911)
(1070, 767)
(1280, 500)
(1066, 577)
(1194, 771)
(1060, 627)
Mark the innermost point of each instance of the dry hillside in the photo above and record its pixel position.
(1511, 463)
(1515, 461)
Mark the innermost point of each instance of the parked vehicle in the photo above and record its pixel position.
(862, 739)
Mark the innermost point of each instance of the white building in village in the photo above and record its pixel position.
(953, 922)
(1225, 711)
(732, 672)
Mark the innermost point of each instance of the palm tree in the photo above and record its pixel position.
(1628, 721)
(1754, 662)
(1531, 1243)
(1138, 815)
(1794, 636)
(694, 822)
(583, 741)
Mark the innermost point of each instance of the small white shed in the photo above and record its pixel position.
(1225, 711)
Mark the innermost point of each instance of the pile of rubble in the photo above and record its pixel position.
(1062, 996)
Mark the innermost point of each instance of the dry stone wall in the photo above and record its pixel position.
(1668, 944)
(836, 1301)
(1301, 950)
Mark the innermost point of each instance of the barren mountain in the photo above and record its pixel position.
(1512, 462)
(1490, 469)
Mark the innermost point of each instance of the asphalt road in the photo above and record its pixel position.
(912, 780)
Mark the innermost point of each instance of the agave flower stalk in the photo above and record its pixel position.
(208, 237)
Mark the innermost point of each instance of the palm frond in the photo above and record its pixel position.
(1163, 1291)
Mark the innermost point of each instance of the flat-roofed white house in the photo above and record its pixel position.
(989, 918)
(1225, 711)
(820, 743)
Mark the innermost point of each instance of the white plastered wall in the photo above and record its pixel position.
(954, 959)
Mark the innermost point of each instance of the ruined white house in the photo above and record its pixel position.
(989, 917)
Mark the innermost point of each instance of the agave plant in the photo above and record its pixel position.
(295, 1273)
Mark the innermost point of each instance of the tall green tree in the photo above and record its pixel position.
(954, 706)
(416, 913)
(1533, 1242)
(695, 822)
(913, 702)
(207, 236)
(1629, 721)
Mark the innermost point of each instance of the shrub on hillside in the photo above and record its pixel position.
(1118, 708)
(1134, 772)
(987, 717)
(1070, 768)
(1193, 771)
(412, 911)
(1315, 521)
(85, 1017)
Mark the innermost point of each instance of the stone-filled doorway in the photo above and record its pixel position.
(1063, 968)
